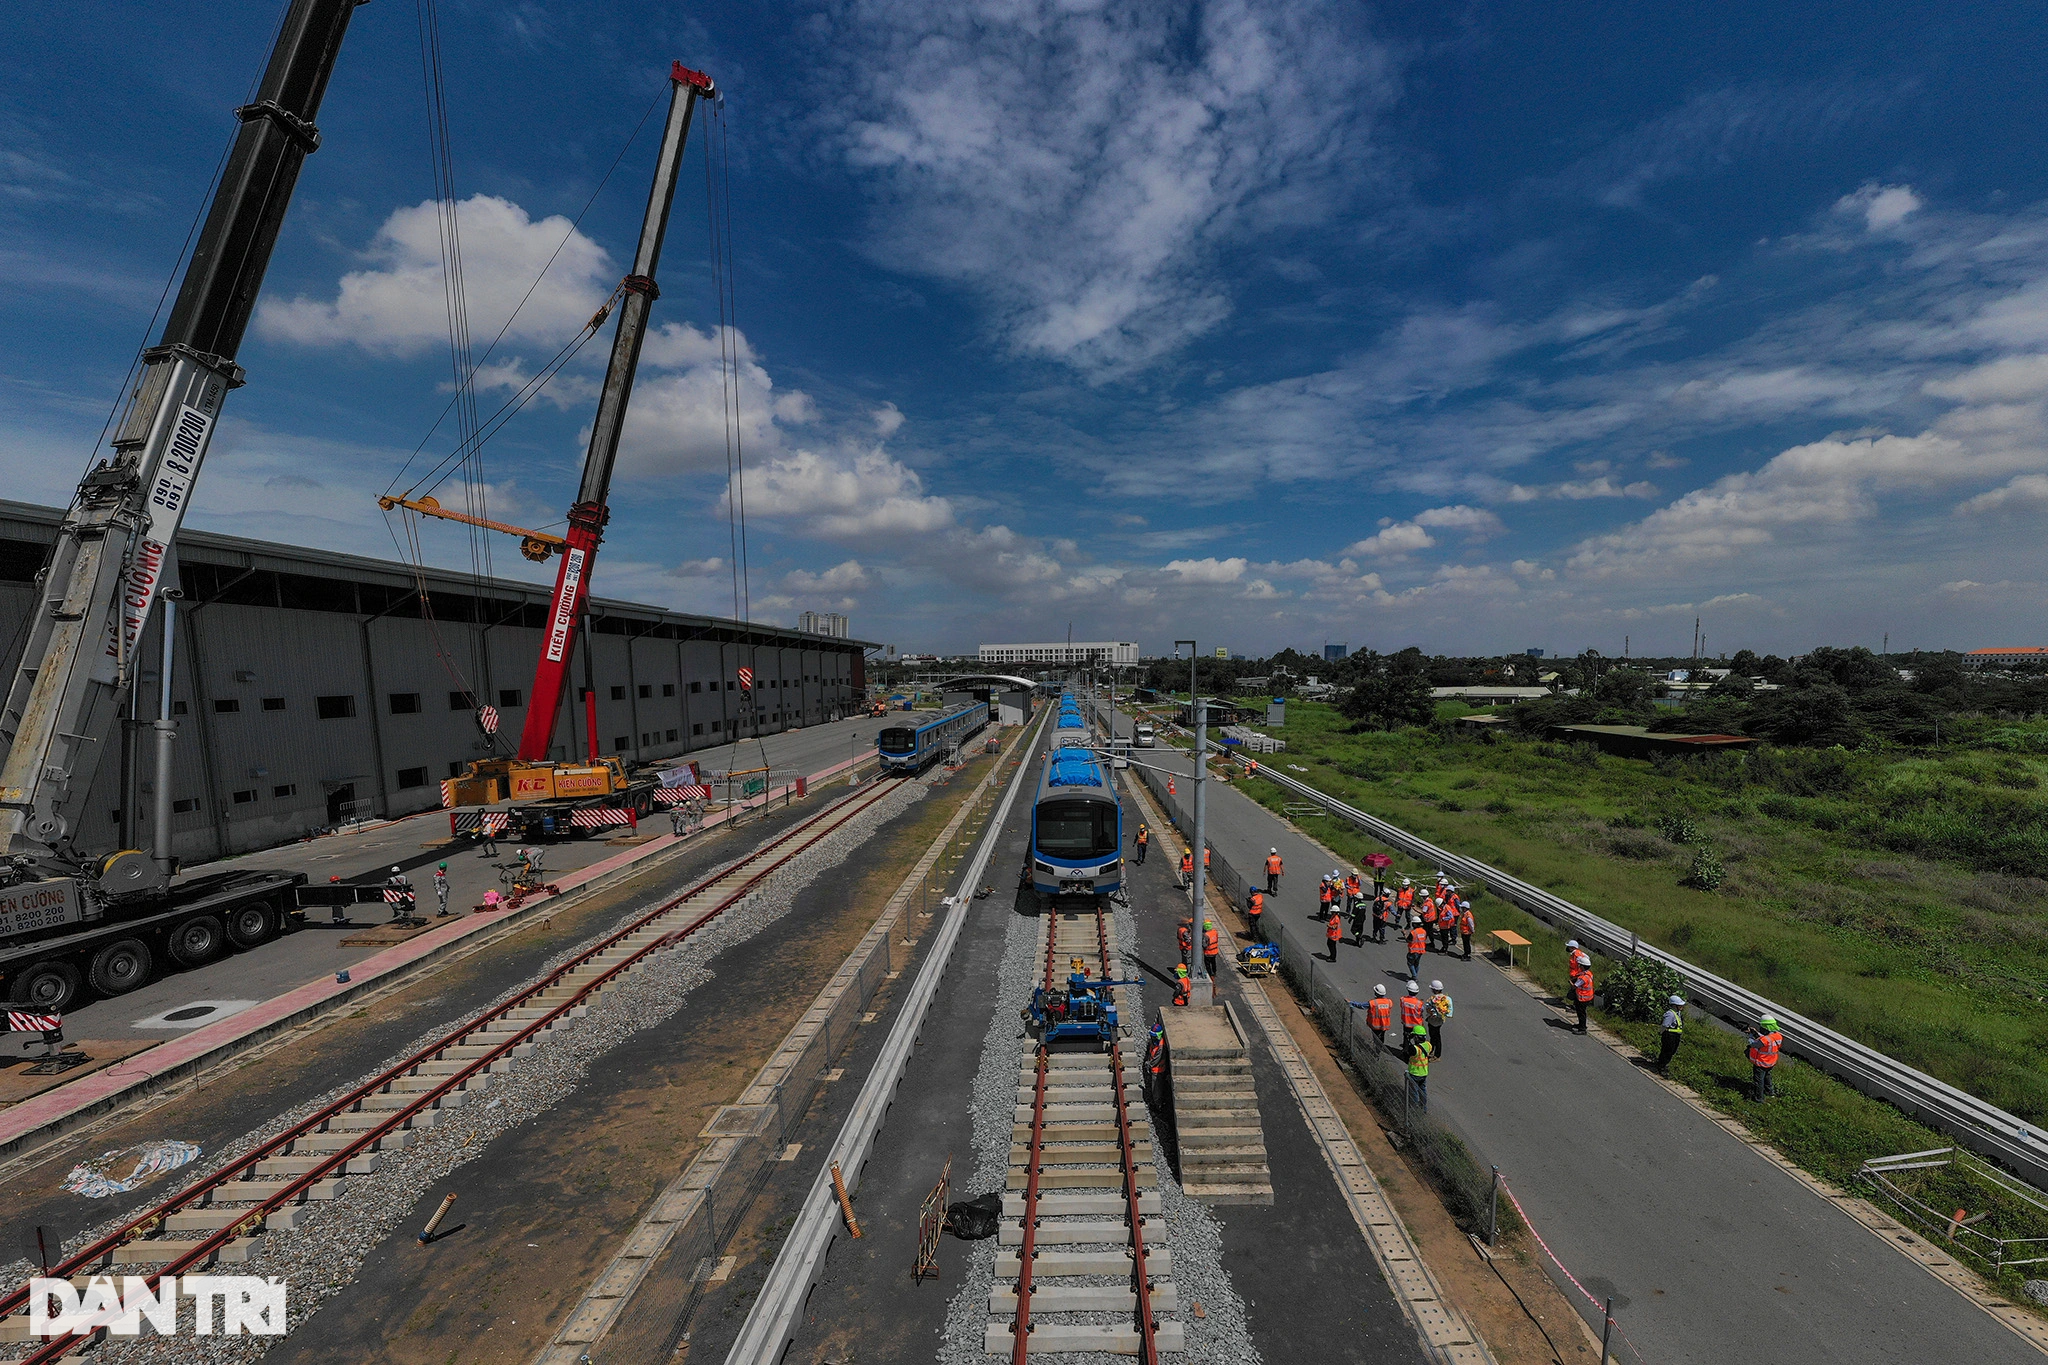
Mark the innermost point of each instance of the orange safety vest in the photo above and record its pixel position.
(1335, 933)
(1187, 862)
(1379, 1013)
(1411, 1011)
(1351, 887)
(1405, 897)
(1205, 858)
(1763, 1051)
(1258, 906)
(1582, 986)
(1209, 942)
(1428, 911)
(1272, 864)
(1144, 837)
(1323, 895)
(1186, 937)
(1466, 924)
(1418, 940)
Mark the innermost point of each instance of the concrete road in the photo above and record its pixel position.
(415, 843)
(1712, 1253)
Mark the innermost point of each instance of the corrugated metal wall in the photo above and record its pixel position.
(259, 760)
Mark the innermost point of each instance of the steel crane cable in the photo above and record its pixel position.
(523, 298)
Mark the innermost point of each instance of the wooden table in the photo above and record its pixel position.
(1511, 940)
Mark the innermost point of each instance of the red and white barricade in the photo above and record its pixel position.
(675, 796)
(601, 817)
(25, 1021)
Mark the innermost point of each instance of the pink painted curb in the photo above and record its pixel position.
(54, 1110)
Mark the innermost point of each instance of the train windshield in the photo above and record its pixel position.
(897, 739)
(1077, 830)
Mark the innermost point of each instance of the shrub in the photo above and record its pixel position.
(1584, 755)
(1706, 874)
(1629, 819)
(1638, 845)
(1449, 803)
(1678, 827)
(1498, 806)
(1638, 989)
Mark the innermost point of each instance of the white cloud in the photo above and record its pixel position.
(845, 577)
(888, 420)
(2010, 379)
(1399, 538)
(1402, 538)
(698, 568)
(1960, 585)
(1882, 206)
(849, 494)
(1079, 165)
(2027, 491)
(1603, 487)
(1208, 570)
(396, 307)
(1473, 521)
(684, 399)
(1259, 589)
(1529, 568)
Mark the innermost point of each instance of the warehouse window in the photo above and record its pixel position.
(273, 703)
(730, 685)
(405, 703)
(618, 694)
(697, 687)
(668, 689)
(411, 777)
(243, 798)
(672, 736)
(455, 768)
(184, 807)
(458, 701)
(697, 729)
(224, 706)
(644, 739)
(509, 697)
(336, 708)
(716, 726)
(285, 789)
(621, 743)
(646, 690)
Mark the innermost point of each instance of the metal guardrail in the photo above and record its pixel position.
(1983, 1128)
(772, 1323)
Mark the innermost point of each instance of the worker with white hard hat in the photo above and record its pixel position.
(1674, 1032)
(1273, 870)
(1379, 1015)
(1436, 1012)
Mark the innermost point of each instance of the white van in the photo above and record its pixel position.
(1146, 737)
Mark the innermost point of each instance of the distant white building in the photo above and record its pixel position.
(824, 623)
(1079, 652)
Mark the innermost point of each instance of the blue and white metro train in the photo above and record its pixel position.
(1077, 828)
(1070, 729)
(909, 746)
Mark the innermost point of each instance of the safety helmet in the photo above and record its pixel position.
(1419, 1030)
(1769, 1022)
(1436, 985)
(1379, 990)
(1180, 969)
(443, 866)
(1571, 943)
(394, 867)
(1406, 882)
(1414, 989)
(1676, 1000)
(1272, 850)
(1208, 924)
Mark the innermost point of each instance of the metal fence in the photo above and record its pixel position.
(1983, 1128)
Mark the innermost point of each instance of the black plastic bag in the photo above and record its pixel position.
(973, 1219)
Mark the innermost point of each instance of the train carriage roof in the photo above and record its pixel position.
(1071, 768)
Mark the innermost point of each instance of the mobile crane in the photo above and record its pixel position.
(66, 912)
(530, 786)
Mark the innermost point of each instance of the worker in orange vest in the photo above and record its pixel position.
(1412, 1012)
(1181, 985)
(1351, 890)
(1206, 851)
(1272, 871)
(1323, 898)
(1379, 1015)
(1427, 914)
(1144, 843)
(1255, 911)
(1209, 947)
(1582, 994)
(1333, 931)
(1187, 867)
(1382, 914)
(1765, 1042)
(1418, 943)
(1186, 933)
(1576, 958)
(1468, 928)
(1404, 899)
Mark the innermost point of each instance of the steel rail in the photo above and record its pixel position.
(1020, 1330)
(1981, 1126)
(765, 1336)
(1134, 1214)
(817, 827)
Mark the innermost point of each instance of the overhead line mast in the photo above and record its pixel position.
(588, 516)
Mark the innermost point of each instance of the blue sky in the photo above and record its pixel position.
(1477, 327)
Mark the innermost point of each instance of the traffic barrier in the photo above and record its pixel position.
(1983, 1128)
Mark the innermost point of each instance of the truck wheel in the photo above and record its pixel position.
(120, 967)
(195, 941)
(249, 925)
(50, 986)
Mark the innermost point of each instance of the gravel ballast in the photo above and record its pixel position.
(321, 1257)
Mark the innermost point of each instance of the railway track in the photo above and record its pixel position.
(1081, 1201)
(216, 1219)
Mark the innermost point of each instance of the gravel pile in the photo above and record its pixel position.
(1222, 1335)
(321, 1258)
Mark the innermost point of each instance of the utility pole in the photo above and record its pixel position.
(1201, 990)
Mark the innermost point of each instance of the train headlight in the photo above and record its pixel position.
(1045, 867)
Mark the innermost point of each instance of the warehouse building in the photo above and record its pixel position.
(311, 687)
